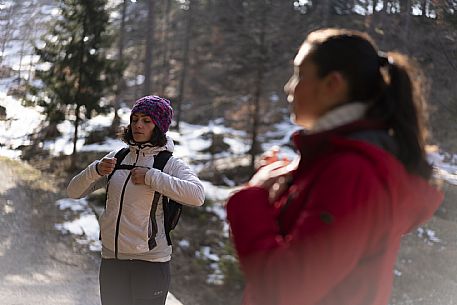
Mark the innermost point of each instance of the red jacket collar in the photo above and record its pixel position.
(310, 144)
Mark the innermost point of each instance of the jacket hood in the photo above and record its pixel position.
(414, 200)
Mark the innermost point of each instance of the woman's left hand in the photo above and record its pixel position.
(138, 175)
(274, 177)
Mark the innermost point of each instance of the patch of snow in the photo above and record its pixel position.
(428, 235)
(107, 146)
(221, 213)
(20, 122)
(217, 193)
(184, 243)
(85, 225)
(205, 253)
(218, 210)
(445, 166)
(72, 204)
(217, 277)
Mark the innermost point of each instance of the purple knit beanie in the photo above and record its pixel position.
(157, 108)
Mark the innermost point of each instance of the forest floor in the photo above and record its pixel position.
(41, 264)
(38, 264)
(36, 190)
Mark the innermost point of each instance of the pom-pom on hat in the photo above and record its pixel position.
(157, 108)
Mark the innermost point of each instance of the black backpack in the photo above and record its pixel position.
(171, 209)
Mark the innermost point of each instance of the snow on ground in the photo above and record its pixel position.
(281, 134)
(217, 277)
(445, 165)
(192, 140)
(64, 144)
(428, 235)
(19, 123)
(85, 225)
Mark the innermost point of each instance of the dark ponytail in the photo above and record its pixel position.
(402, 106)
(384, 82)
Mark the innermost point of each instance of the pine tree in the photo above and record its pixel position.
(78, 72)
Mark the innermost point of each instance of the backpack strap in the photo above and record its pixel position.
(170, 213)
(152, 241)
(120, 156)
(161, 159)
(159, 163)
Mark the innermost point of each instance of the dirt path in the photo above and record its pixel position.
(37, 263)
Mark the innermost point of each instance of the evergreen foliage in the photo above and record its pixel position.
(76, 72)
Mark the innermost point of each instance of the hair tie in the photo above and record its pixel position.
(383, 59)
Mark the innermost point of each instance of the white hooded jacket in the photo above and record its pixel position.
(125, 225)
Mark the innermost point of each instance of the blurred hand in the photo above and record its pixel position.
(106, 166)
(138, 175)
(274, 177)
(263, 177)
(271, 156)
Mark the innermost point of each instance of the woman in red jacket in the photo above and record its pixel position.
(326, 230)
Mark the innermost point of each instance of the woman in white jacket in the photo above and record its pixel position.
(136, 249)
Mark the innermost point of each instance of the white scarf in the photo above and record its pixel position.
(339, 116)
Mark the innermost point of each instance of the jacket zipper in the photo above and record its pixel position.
(116, 241)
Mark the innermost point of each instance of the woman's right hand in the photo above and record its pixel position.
(106, 166)
(274, 173)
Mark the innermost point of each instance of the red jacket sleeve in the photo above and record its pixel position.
(331, 234)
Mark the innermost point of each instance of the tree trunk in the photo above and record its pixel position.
(405, 6)
(6, 32)
(148, 53)
(326, 6)
(424, 8)
(386, 6)
(165, 67)
(122, 30)
(256, 115)
(21, 57)
(440, 8)
(31, 65)
(77, 94)
(375, 4)
(185, 63)
(138, 70)
(120, 87)
(258, 88)
(75, 136)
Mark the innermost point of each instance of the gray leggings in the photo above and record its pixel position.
(133, 282)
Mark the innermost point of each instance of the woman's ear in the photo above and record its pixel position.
(336, 86)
